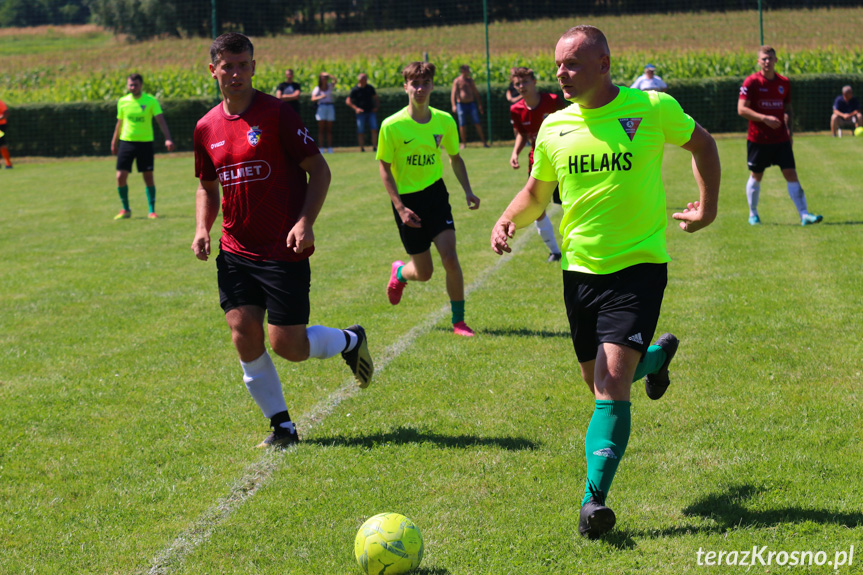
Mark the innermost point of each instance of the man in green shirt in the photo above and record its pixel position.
(133, 140)
(605, 151)
(409, 152)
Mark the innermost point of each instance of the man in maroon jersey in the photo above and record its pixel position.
(257, 148)
(526, 117)
(765, 100)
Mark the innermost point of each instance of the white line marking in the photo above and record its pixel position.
(258, 473)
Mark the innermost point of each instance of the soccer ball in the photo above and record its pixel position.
(858, 131)
(390, 543)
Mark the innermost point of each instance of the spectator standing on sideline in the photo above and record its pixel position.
(289, 91)
(846, 112)
(4, 115)
(274, 182)
(364, 101)
(325, 111)
(466, 104)
(649, 80)
(410, 166)
(527, 116)
(133, 140)
(765, 100)
(605, 151)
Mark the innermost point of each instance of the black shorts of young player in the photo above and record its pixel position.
(138, 152)
(432, 207)
(281, 288)
(759, 157)
(621, 307)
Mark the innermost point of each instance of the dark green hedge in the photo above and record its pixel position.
(85, 129)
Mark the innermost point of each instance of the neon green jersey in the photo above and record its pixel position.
(413, 149)
(608, 163)
(137, 116)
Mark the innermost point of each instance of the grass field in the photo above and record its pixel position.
(59, 64)
(126, 434)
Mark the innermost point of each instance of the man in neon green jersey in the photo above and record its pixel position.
(133, 140)
(409, 152)
(605, 151)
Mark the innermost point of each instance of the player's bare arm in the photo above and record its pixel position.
(524, 208)
(460, 171)
(163, 125)
(707, 171)
(516, 150)
(744, 110)
(115, 139)
(408, 217)
(206, 210)
(302, 235)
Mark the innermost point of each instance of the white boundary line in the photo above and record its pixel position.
(258, 473)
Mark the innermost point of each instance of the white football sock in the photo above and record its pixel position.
(795, 190)
(325, 342)
(546, 232)
(753, 190)
(262, 381)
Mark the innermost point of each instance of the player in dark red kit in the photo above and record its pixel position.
(526, 116)
(765, 100)
(274, 182)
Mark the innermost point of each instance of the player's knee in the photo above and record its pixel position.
(449, 260)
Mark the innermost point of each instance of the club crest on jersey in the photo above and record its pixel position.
(437, 139)
(254, 135)
(630, 126)
(143, 107)
(781, 89)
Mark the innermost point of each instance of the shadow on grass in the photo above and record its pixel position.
(729, 509)
(431, 571)
(515, 332)
(404, 435)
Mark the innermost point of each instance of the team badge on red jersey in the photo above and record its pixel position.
(437, 139)
(254, 135)
(781, 89)
(630, 126)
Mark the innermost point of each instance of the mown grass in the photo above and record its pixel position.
(126, 427)
(93, 67)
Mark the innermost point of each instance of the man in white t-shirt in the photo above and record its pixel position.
(649, 80)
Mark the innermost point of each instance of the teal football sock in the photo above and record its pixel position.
(605, 444)
(457, 311)
(124, 196)
(151, 198)
(399, 275)
(650, 363)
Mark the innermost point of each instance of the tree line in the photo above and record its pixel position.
(141, 19)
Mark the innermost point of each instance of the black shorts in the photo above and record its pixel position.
(432, 207)
(142, 152)
(281, 288)
(622, 307)
(759, 157)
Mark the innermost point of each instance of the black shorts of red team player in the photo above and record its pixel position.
(432, 207)
(621, 307)
(281, 288)
(759, 157)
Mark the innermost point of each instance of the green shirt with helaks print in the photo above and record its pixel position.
(137, 115)
(608, 163)
(413, 149)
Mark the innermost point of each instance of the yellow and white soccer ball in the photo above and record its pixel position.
(858, 131)
(388, 543)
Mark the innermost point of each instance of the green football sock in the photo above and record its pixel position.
(124, 196)
(605, 443)
(650, 363)
(399, 275)
(457, 311)
(151, 198)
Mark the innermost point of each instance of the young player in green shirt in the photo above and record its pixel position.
(133, 140)
(409, 152)
(605, 151)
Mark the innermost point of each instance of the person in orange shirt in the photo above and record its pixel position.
(4, 113)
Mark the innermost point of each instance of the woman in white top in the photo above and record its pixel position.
(325, 112)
